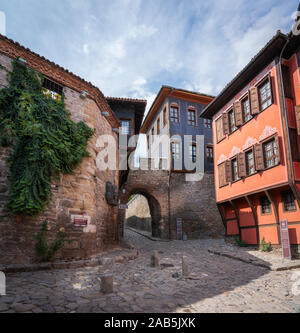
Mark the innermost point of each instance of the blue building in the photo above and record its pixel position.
(175, 113)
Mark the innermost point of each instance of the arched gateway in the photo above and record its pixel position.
(153, 185)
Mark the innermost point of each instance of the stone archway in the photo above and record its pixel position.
(154, 208)
(153, 185)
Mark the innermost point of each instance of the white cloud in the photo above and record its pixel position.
(132, 47)
(86, 49)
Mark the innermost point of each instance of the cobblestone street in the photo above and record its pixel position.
(216, 284)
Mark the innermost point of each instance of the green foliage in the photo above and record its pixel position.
(44, 251)
(45, 142)
(239, 242)
(264, 246)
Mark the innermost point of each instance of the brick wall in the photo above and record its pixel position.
(82, 191)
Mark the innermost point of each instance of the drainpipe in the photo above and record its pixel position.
(169, 180)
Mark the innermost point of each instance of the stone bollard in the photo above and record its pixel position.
(107, 284)
(155, 259)
(185, 267)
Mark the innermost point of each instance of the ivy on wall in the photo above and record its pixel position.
(44, 141)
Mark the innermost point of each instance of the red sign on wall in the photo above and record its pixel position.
(285, 239)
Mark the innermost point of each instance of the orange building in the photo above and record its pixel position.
(256, 129)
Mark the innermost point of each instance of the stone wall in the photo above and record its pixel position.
(138, 214)
(194, 203)
(170, 196)
(82, 191)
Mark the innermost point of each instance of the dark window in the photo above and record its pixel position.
(52, 89)
(265, 95)
(175, 150)
(270, 153)
(246, 110)
(158, 126)
(286, 82)
(234, 168)
(174, 114)
(265, 205)
(231, 119)
(152, 134)
(294, 144)
(125, 127)
(250, 167)
(193, 153)
(164, 117)
(210, 154)
(288, 200)
(192, 117)
(207, 123)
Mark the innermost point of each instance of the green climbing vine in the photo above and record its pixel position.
(44, 141)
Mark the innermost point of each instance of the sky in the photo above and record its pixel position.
(130, 48)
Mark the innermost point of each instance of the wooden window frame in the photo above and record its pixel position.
(220, 119)
(243, 99)
(283, 196)
(246, 161)
(175, 143)
(264, 80)
(152, 135)
(192, 109)
(175, 106)
(209, 158)
(230, 130)
(237, 171)
(130, 125)
(263, 143)
(205, 120)
(225, 181)
(164, 116)
(191, 157)
(158, 126)
(261, 206)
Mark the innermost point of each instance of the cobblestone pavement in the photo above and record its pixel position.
(216, 284)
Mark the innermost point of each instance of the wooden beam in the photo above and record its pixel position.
(250, 203)
(275, 208)
(223, 217)
(237, 217)
(296, 193)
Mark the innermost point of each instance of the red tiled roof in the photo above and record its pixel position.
(14, 50)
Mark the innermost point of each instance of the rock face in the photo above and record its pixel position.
(83, 191)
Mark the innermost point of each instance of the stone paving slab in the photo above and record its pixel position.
(216, 284)
(269, 260)
(116, 255)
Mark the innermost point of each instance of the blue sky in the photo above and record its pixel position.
(129, 48)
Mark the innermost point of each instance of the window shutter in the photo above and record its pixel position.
(228, 171)
(222, 175)
(297, 113)
(277, 148)
(259, 157)
(237, 106)
(241, 165)
(219, 129)
(254, 101)
(225, 124)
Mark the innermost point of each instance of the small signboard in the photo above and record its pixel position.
(179, 228)
(80, 220)
(285, 240)
(123, 207)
